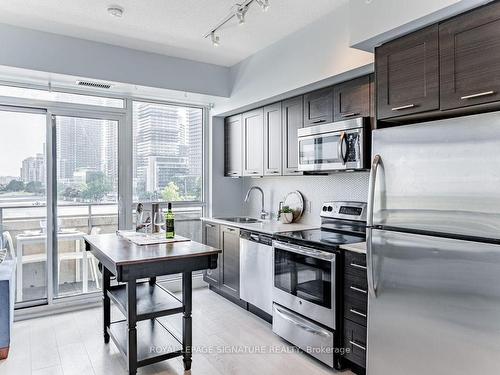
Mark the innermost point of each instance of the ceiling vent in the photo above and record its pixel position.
(94, 84)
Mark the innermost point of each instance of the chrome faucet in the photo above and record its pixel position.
(263, 213)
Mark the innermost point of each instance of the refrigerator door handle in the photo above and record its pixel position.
(369, 223)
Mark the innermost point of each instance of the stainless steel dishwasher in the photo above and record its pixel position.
(256, 270)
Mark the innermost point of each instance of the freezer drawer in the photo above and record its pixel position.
(435, 307)
(303, 333)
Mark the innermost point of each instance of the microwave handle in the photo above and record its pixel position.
(340, 148)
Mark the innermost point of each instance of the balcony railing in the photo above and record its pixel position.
(24, 224)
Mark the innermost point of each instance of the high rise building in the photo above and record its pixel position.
(79, 145)
(110, 152)
(33, 169)
(161, 147)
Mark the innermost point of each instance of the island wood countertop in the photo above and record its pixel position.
(118, 253)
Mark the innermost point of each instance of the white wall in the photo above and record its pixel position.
(36, 50)
(315, 189)
(318, 54)
(374, 22)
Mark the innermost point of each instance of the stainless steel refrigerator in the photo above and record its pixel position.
(434, 248)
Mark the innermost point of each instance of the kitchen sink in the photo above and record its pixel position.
(240, 219)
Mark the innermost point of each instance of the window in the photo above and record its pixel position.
(168, 152)
(28, 93)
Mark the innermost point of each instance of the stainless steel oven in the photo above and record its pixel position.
(336, 146)
(304, 281)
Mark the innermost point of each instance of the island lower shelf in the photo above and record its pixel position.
(152, 301)
(155, 342)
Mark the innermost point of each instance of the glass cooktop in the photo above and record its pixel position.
(324, 237)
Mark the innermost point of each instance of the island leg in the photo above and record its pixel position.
(132, 330)
(187, 330)
(106, 282)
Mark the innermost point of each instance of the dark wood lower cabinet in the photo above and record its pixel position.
(226, 277)
(211, 237)
(355, 309)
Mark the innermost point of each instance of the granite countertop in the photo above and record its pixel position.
(267, 227)
(359, 247)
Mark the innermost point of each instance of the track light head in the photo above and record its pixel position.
(215, 39)
(264, 4)
(240, 14)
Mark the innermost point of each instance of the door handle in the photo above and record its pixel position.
(357, 313)
(479, 94)
(317, 121)
(350, 114)
(358, 266)
(403, 107)
(357, 345)
(358, 289)
(377, 159)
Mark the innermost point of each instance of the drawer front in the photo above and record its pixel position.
(303, 333)
(355, 343)
(355, 287)
(356, 309)
(355, 263)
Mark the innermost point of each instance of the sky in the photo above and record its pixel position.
(21, 135)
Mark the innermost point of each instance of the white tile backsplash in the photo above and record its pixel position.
(315, 189)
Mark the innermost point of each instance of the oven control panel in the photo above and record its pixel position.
(344, 210)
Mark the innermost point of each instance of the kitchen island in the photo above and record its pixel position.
(143, 302)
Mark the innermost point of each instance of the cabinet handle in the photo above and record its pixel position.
(210, 225)
(273, 172)
(485, 93)
(357, 345)
(231, 229)
(350, 114)
(318, 121)
(403, 107)
(358, 266)
(357, 313)
(358, 289)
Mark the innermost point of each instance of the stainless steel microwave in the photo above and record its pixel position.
(342, 145)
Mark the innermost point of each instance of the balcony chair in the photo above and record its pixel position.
(79, 256)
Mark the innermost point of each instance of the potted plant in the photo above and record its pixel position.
(286, 215)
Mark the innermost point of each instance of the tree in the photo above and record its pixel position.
(171, 192)
(15, 185)
(96, 188)
(33, 187)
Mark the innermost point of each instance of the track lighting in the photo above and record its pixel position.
(238, 11)
(240, 14)
(264, 4)
(215, 39)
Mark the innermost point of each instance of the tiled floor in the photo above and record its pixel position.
(72, 343)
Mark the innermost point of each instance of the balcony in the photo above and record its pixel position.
(24, 223)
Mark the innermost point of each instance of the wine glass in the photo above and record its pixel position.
(159, 220)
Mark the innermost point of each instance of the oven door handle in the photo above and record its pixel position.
(313, 253)
(301, 324)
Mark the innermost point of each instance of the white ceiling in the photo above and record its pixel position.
(170, 27)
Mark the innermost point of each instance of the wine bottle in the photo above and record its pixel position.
(169, 222)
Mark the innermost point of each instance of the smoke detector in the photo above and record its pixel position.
(115, 11)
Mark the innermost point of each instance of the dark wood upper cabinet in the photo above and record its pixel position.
(351, 99)
(292, 118)
(318, 107)
(470, 58)
(407, 74)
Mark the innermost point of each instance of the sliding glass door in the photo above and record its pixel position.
(23, 198)
(86, 192)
